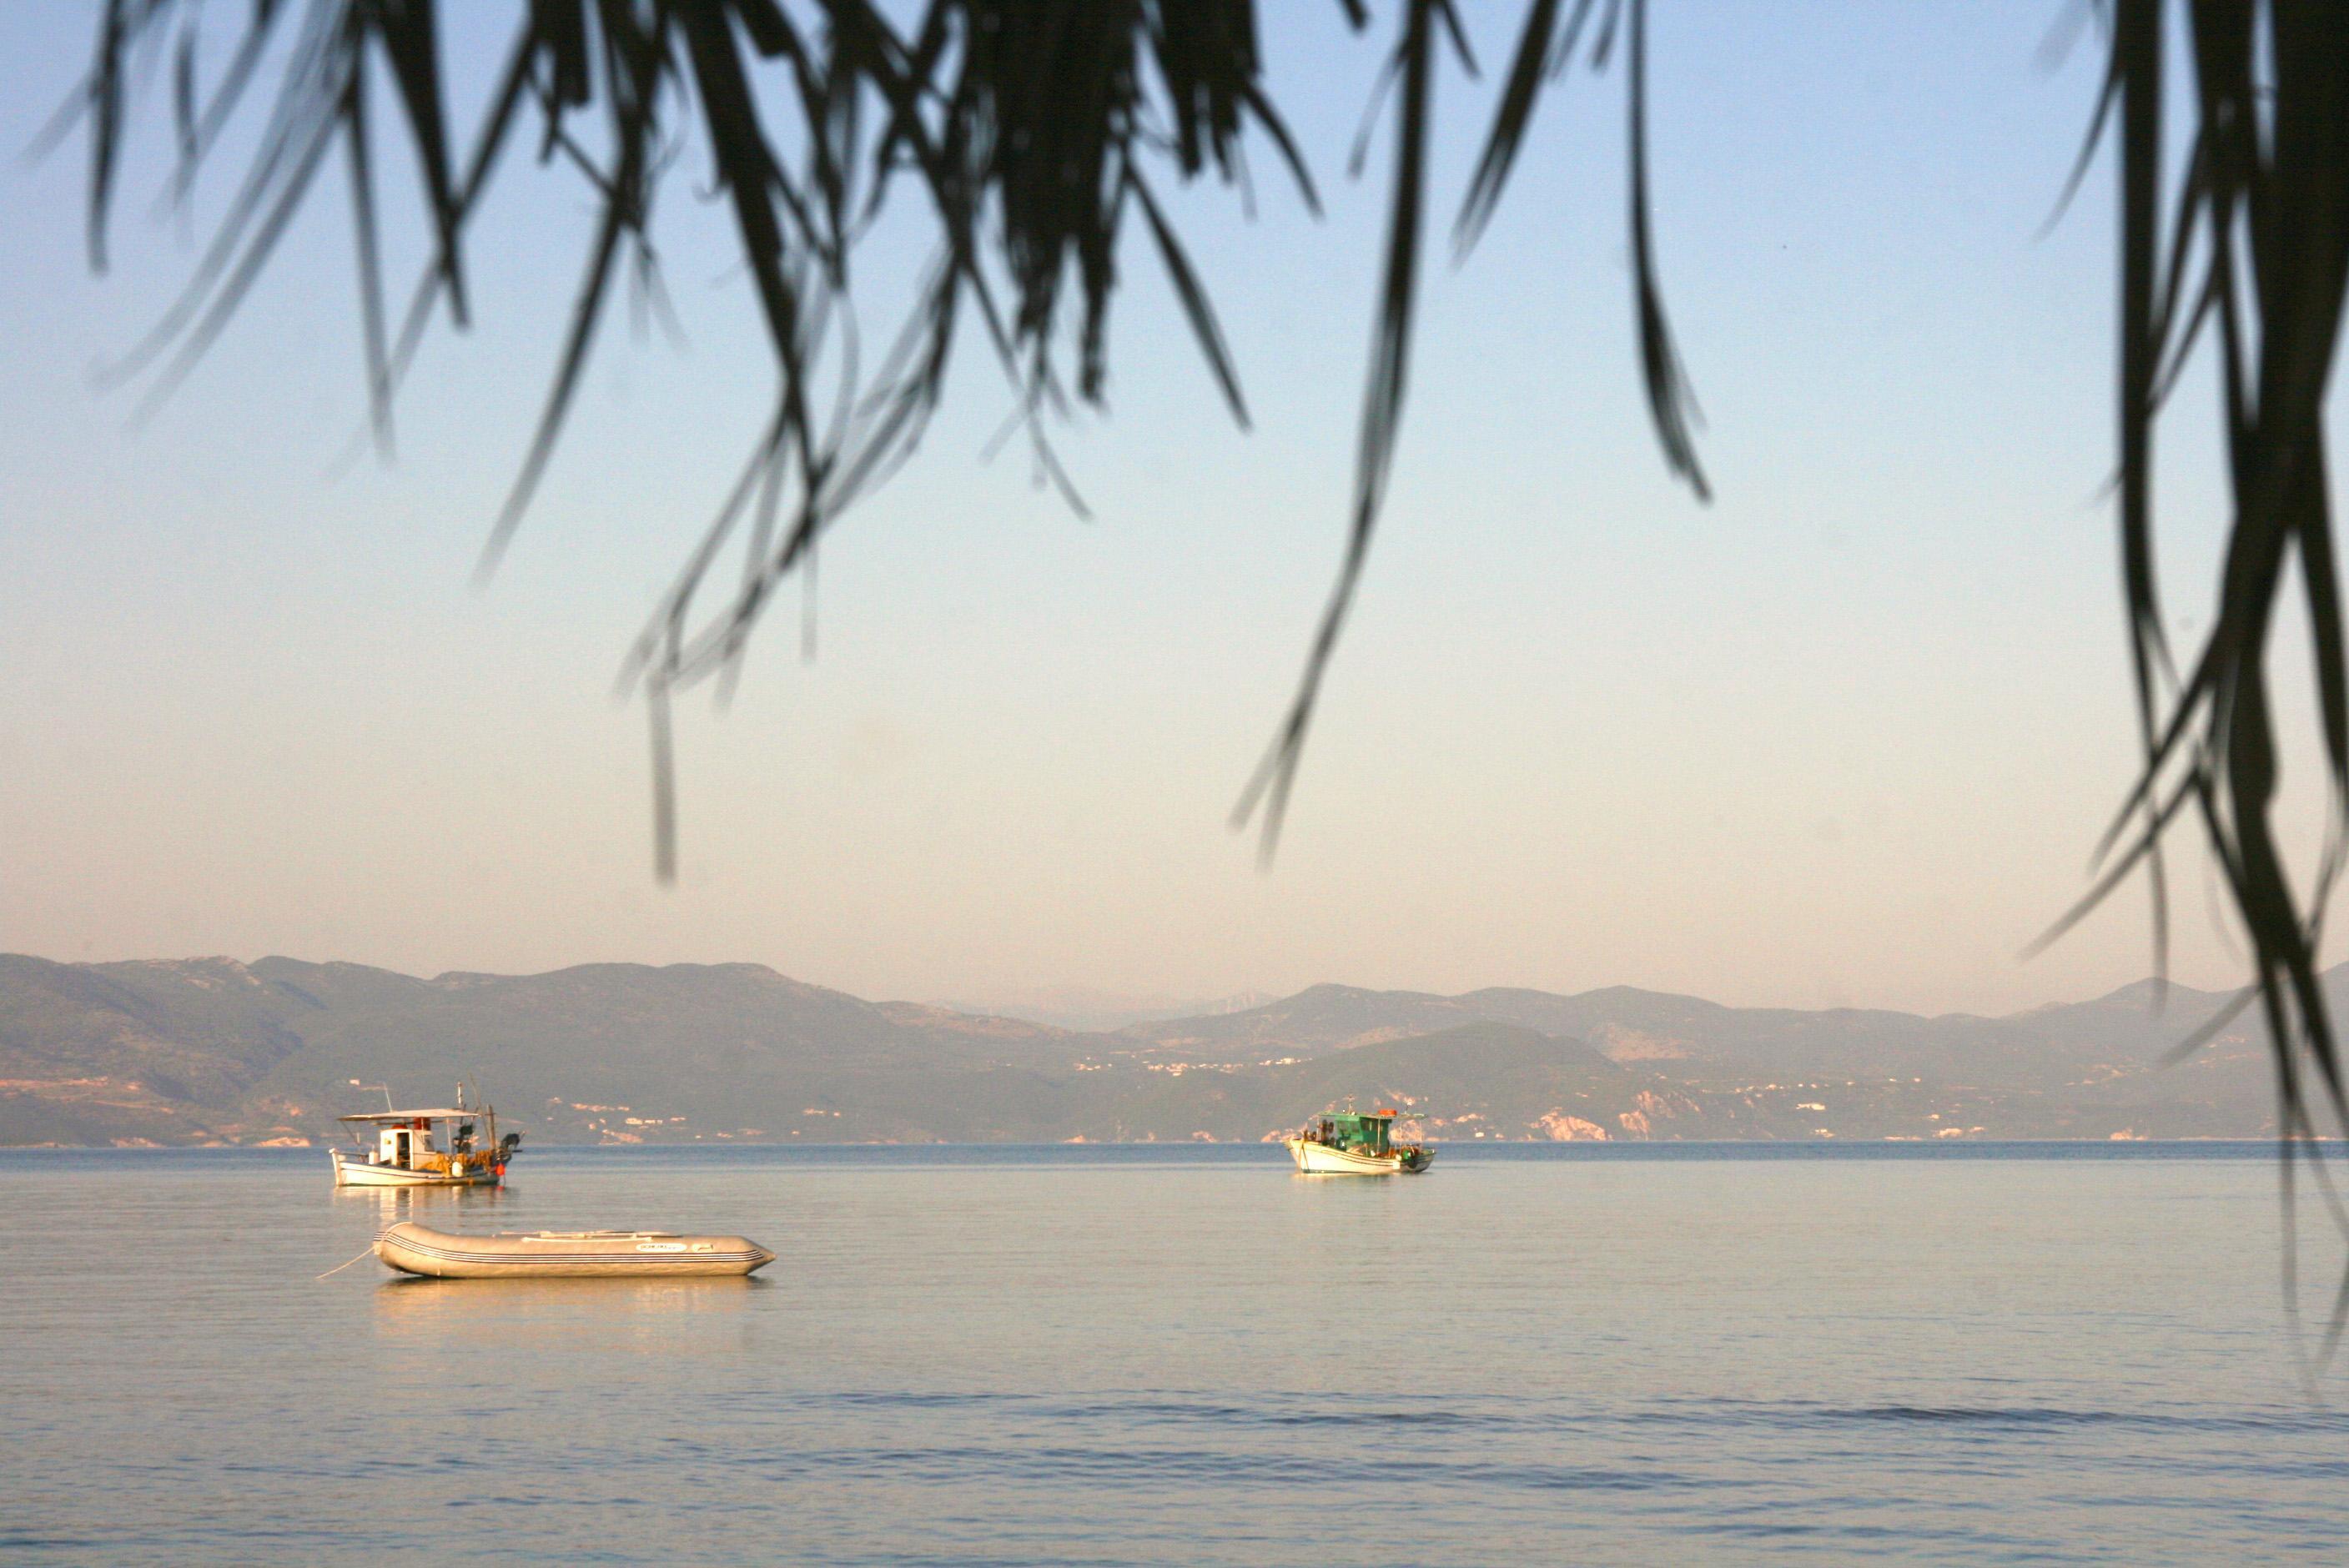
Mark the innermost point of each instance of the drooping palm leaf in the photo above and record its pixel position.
(2263, 201)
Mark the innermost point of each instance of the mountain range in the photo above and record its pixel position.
(214, 1051)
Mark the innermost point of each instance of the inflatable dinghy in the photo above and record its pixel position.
(565, 1254)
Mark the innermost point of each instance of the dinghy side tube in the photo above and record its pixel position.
(414, 1249)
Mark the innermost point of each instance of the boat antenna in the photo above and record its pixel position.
(386, 1087)
(461, 1094)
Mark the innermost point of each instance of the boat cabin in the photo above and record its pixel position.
(1368, 1131)
(404, 1139)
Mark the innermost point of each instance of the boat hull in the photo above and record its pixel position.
(359, 1173)
(1322, 1159)
(416, 1248)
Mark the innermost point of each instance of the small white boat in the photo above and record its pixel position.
(405, 1155)
(1357, 1143)
(414, 1249)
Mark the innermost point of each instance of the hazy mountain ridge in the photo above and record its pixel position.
(212, 1050)
(2049, 1046)
(1083, 1009)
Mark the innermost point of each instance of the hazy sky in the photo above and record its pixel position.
(1846, 736)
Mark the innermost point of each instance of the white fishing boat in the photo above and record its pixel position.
(416, 1248)
(1356, 1143)
(404, 1152)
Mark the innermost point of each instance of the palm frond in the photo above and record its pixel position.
(2264, 204)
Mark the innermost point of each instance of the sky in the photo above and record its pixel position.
(1843, 737)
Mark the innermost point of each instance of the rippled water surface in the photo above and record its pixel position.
(1175, 1356)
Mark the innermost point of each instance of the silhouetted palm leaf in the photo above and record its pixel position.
(2265, 192)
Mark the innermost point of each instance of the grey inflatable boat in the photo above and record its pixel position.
(565, 1254)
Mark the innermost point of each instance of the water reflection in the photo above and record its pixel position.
(413, 1299)
(425, 1205)
(538, 1317)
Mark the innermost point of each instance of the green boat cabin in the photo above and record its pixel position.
(1366, 1131)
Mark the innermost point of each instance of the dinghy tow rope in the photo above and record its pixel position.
(364, 1252)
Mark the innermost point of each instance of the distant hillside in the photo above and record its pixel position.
(1083, 1010)
(211, 1051)
(2050, 1047)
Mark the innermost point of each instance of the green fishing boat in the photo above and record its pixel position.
(1356, 1143)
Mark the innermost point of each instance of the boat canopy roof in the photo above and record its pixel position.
(390, 1118)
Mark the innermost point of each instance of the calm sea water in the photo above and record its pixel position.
(1661, 1354)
